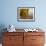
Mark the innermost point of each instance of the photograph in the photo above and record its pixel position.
(26, 14)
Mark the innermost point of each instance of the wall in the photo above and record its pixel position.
(9, 13)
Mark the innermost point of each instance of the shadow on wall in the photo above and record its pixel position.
(2, 26)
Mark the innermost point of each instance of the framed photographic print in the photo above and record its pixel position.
(26, 14)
